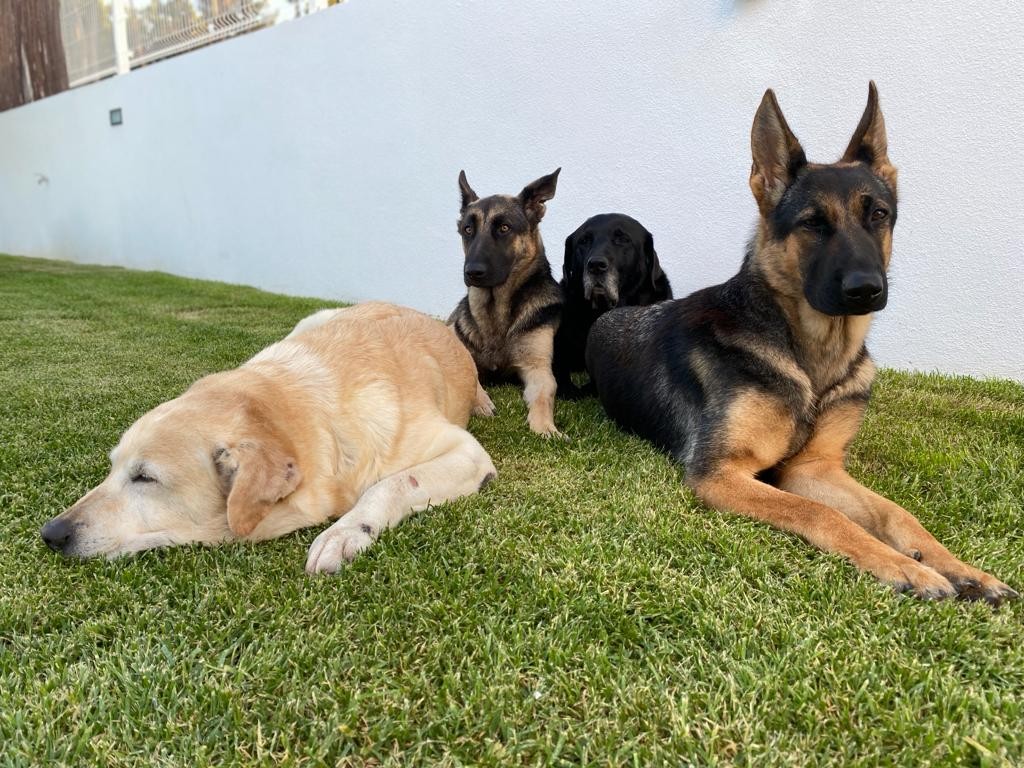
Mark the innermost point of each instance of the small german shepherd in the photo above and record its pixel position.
(510, 314)
(758, 385)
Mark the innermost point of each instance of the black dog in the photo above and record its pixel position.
(609, 262)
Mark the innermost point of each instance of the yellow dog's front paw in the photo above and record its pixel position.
(337, 545)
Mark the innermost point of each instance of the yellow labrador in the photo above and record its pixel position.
(358, 413)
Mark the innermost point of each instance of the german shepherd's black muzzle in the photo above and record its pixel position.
(476, 275)
(485, 270)
(847, 277)
(490, 251)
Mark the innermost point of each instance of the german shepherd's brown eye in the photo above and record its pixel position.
(816, 224)
(468, 229)
(879, 214)
(504, 229)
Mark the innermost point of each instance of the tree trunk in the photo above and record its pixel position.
(32, 63)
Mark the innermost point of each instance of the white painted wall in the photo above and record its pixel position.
(320, 157)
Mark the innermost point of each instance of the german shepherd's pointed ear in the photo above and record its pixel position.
(468, 195)
(778, 155)
(869, 144)
(651, 258)
(536, 193)
(254, 475)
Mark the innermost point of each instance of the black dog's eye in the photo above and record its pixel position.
(584, 242)
(142, 477)
(816, 224)
(504, 229)
(879, 214)
(621, 238)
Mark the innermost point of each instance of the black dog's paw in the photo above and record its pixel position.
(572, 392)
(569, 392)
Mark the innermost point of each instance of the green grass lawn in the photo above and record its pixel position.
(583, 609)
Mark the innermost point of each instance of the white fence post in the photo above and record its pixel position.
(120, 21)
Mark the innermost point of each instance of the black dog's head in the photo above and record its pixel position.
(610, 260)
(500, 232)
(826, 230)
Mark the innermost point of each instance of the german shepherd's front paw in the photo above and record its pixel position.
(548, 431)
(972, 584)
(483, 406)
(542, 422)
(920, 580)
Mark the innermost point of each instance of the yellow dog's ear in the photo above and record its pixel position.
(254, 475)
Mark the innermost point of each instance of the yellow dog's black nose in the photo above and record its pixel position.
(57, 534)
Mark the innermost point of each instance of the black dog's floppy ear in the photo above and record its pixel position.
(570, 254)
(776, 152)
(869, 144)
(567, 261)
(536, 193)
(651, 258)
(254, 475)
(468, 195)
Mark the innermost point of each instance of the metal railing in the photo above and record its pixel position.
(88, 34)
(106, 37)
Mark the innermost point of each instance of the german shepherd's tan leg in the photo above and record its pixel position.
(734, 488)
(758, 430)
(533, 362)
(483, 405)
(462, 467)
(818, 473)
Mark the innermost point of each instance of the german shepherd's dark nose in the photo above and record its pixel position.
(475, 273)
(862, 290)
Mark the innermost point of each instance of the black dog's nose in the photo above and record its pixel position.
(57, 533)
(862, 287)
(597, 265)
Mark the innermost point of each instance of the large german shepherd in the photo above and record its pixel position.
(513, 306)
(758, 386)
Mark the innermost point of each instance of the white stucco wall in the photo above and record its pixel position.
(320, 157)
